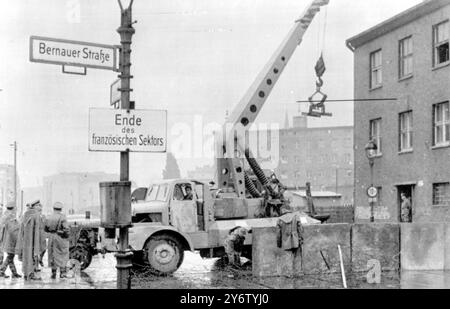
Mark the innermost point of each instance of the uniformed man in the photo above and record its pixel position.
(29, 241)
(234, 244)
(43, 245)
(8, 238)
(58, 241)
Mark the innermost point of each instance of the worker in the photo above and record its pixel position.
(8, 239)
(189, 196)
(289, 230)
(234, 244)
(58, 241)
(29, 241)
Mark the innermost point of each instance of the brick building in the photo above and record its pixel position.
(407, 58)
(321, 156)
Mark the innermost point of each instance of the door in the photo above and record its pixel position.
(183, 208)
(405, 195)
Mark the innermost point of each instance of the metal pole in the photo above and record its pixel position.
(337, 171)
(372, 215)
(126, 31)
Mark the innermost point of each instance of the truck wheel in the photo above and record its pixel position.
(164, 254)
(82, 254)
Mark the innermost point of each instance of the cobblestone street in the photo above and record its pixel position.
(196, 273)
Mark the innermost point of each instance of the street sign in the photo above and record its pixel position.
(113, 130)
(73, 53)
(372, 192)
(114, 93)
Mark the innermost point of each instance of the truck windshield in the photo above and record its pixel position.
(158, 193)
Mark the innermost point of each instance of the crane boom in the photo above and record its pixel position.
(230, 169)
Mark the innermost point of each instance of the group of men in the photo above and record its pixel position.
(27, 238)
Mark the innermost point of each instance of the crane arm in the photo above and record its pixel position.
(230, 168)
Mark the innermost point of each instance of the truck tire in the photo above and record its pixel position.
(164, 254)
(82, 254)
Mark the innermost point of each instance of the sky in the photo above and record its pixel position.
(193, 58)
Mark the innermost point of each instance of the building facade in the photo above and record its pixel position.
(7, 184)
(79, 192)
(404, 58)
(321, 156)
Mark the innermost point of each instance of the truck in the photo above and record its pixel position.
(170, 220)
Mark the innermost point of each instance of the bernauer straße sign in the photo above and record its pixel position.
(74, 53)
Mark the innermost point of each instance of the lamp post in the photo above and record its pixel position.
(371, 152)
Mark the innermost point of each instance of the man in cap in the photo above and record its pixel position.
(8, 239)
(29, 242)
(58, 241)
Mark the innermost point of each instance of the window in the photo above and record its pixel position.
(297, 159)
(440, 42)
(441, 194)
(406, 57)
(375, 133)
(406, 132)
(376, 78)
(441, 124)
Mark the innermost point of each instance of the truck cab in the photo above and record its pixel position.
(173, 218)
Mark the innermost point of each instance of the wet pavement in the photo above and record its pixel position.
(197, 273)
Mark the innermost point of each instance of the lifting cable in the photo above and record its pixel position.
(317, 108)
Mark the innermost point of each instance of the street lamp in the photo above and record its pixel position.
(371, 152)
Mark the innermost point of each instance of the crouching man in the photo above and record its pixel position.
(234, 244)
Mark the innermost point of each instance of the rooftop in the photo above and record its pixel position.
(406, 17)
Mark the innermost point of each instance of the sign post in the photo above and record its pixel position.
(126, 31)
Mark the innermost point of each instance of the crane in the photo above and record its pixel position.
(230, 148)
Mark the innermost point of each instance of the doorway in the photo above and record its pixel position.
(408, 190)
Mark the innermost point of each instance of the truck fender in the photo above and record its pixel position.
(139, 234)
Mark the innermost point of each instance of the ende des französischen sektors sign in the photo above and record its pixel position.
(121, 130)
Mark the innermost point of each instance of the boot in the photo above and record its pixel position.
(2, 275)
(14, 271)
(53, 274)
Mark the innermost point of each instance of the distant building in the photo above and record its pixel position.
(79, 192)
(407, 58)
(7, 184)
(321, 156)
(205, 173)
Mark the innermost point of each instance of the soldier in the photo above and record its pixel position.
(29, 241)
(43, 245)
(234, 244)
(8, 237)
(1, 213)
(58, 241)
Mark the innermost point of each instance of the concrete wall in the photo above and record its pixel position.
(270, 261)
(425, 246)
(375, 242)
(324, 240)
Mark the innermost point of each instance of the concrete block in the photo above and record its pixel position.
(320, 248)
(376, 242)
(267, 259)
(423, 246)
(447, 247)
